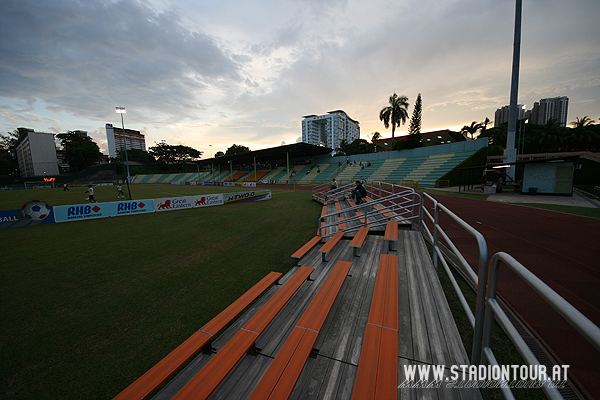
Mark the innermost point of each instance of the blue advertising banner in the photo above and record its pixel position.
(82, 211)
(34, 212)
(37, 212)
(131, 207)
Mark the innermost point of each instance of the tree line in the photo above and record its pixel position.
(82, 152)
(582, 135)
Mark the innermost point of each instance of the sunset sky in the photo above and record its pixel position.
(210, 72)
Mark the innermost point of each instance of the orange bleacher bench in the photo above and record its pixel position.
(165, 368)
(204, 383)
(301, 252)
(280, 378)
(327, 247)
(359, 239)
(377, 375)
(391, 234)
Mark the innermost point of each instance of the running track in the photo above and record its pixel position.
(561, 249)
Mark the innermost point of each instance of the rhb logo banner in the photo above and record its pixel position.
(78, 212)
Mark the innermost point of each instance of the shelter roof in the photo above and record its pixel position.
(279, 153)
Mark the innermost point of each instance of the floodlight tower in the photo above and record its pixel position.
(510, 154)
(121, 110)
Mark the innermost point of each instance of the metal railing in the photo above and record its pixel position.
(488, 308)
(403, 206)
(587, 328)
(476, 320)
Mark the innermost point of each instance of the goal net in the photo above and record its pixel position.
(39, 184)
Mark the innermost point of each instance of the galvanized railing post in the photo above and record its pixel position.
(436, 227)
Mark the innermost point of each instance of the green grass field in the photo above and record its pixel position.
(88, 306)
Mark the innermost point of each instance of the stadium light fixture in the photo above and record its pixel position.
(121, 110)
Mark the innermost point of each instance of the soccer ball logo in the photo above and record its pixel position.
(35, 210)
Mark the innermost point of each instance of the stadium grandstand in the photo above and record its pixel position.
(306, 164)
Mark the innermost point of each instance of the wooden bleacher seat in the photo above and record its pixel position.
(204, 383)
(301, 252)
(391, 235)
(359, 239)
(377, 375)
(327, 247)
(165, 368)
(280, 378)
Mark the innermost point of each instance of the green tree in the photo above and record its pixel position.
(583, 122)
(484, 125)
(359, 146)
(342, 150)
(375, 136)
(136, 155)
(415, 120)
(414, 129)
(496, 136)
(471, 129)
(583, 136)
(174, 154)
(81, 152)
(548, 137)
(9, 167)
(395, 114)
(237, 149)
(219, 154)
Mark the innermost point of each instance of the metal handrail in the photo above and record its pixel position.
(477, 320)
(367, 209)
(587, 328)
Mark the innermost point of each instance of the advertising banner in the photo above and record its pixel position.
(131, 207)
(173, 203)
(205, 200)
(82, 211)
(31, 213)
(242, 197)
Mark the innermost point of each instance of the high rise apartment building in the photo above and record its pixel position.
(117, 140)
(330, 129)
(555, 108)
(501, 115)
(36, 154)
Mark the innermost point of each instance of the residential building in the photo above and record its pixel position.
(555, 108)
(330, 129)
(501, 115)
(117, 140)
(36, 154)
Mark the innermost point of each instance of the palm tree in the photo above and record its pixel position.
(471, 129)
(583, 122)
(484, 125)
(395, 114)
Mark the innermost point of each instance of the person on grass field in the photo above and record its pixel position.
(359, 192)
(90, 193)
(120, 193)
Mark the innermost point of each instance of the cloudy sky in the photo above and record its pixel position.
(211, 73)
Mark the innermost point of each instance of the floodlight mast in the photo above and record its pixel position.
(121, 110)
(510, 153)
